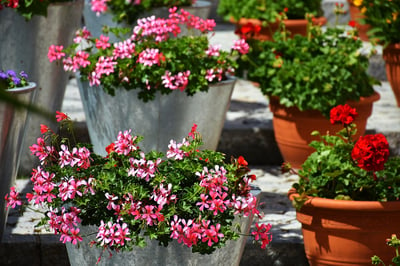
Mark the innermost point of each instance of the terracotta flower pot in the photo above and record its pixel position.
(391, 55)
(292, 127)
(295, 26)
(357, 16)
(341, 232)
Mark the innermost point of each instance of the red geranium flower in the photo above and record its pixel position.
(242, 161)
(248, 30)
(371, 152)
(352, 23)
(343, 114)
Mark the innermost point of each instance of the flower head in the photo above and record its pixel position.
(371, 152)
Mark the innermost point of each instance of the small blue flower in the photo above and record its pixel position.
(17, 81)
(3, 75)
(11, 73)
(23, 75)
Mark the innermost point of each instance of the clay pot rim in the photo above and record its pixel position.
(347, 205)
(278, 106)
(30, 87)
(323, 20)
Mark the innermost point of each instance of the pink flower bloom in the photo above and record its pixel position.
(179, 81)
(104, 66)
(213, 50)
(82, 34)
(241, 45)
(124, 49)
(203, 204)
(150, 57)
(102, 43)
(13, 199)
(55, 52)
(262, 234)
(211, 235)
(174, 149)
(42, 151)
(99, 6)
(80, 60)
(111, 201)
(142, 168)
(125, 143)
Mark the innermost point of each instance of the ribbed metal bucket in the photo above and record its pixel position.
(167, 117)
(12, 123)
(24, 46)
(156, 255)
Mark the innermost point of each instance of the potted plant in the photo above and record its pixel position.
(347, 195)
(382, 17)
(192, 199)
(265, 15)
(16, 93)
(31, 27)
(304, 77)
(153, 82)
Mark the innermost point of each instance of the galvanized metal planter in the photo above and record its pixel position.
(13, 125)
(155, 255)
(167, 117)
(24, 46)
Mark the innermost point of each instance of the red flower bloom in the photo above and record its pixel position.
(43, 128)
(371, 152)
(60, 116)
(343, 114)
(242, 161)
(110, 148)
(352, 23)
(248, 30)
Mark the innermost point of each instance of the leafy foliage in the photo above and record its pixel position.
(331, 172)
(313, 72)
(383, 17)
(190, 195)
(268, 10)
(153, 59)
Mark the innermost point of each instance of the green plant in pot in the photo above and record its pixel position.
(266, 14)
(132, 198)
(159, 79)
(382, 17)
(309, 75)
(348, 192)
(384, 22)
(152, 59)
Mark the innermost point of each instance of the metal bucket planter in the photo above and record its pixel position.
(167, 117)
(155, 255)
(25, 46)
(12, 123)
(95, 23)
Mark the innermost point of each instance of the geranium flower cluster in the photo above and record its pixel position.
(190, 195)
(343, 168)
(154, 58)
